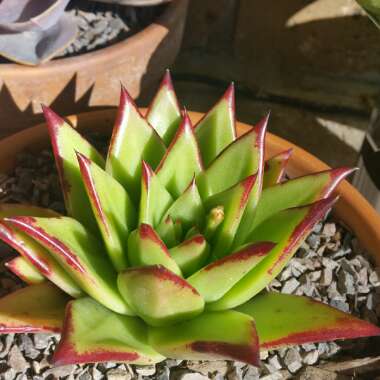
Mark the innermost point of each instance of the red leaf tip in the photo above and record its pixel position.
(53, 121)
(229, 95)
(167, 81)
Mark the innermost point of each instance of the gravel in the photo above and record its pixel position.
(330, 266)
(101, 24)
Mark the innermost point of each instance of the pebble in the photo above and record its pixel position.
(290, 286)
(16, 360)
(293, 360)
(118, 374)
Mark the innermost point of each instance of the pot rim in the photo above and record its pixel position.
(81, 61)
(352, 208)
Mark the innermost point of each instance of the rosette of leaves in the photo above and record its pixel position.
(34, 31)
(169, 242)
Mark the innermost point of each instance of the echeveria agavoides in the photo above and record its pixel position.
(169, 242)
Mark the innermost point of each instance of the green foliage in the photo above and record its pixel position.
(170, 238)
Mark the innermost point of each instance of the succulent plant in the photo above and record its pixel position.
(169, 242)
(34, 31)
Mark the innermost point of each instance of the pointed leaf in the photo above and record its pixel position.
(188, 208)
(159, 296)
(164, 113)
(191, 254)
(167, 231)
(79, 253)
(213, 220)
(295, 192)
(66, 141)
(34, 308)
(182, 160)
(217, 278)
(275, 168)
(32, 251)
(146, 248)
(133, 140)
(234, 201)
(225, 335)
(155, 199)
(288, 229)
(239, 160)
(24, 270)
(112, 208)
(92, 333)
(284, 320)
(216, 130)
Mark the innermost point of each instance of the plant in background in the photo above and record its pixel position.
(169, 243)
(372, 8)
(34, 31)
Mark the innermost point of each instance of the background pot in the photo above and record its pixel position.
(90, 80)
(352, 208)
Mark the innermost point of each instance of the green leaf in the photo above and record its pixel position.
(293, 193)
(214, 219)
(93, 333)
(155, 199)
(216, 130)
(164, 112)
(34, 252)
(133, 140)
(159, 296)
(182, 160)
(112, 208)
(34, 308)
(275, 168)
(372, 7)
(191, 254)
(283, 320)
(24, 270)
(237, 161)
(188, 208)
(167, 231)
(79, 253)
(234, 201)
(226, 335)
(146, 248)
(217, 278)
(66, 141)
(288, 229)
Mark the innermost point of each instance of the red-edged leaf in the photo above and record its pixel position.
(133, 140)
(112, 208)
(182, 160)
(35, 308)
(164, 113)
(146, 248)
(66, 141)
(91, 333)
(225, 335)
(24, 270)
(159, 296)
(79, 253)
(287, 229)
(217, 278)
(155, 199)
(274, 168)
(34, 252)
(243, 158)
(284, 320)
(216, 130)
(191, 254)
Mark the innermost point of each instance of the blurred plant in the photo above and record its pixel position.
(372, 8)
(34, 31)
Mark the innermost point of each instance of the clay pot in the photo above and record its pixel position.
(352, 208)
(91, 80)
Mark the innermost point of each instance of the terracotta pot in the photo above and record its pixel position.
(352, 208)
(76, 84)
